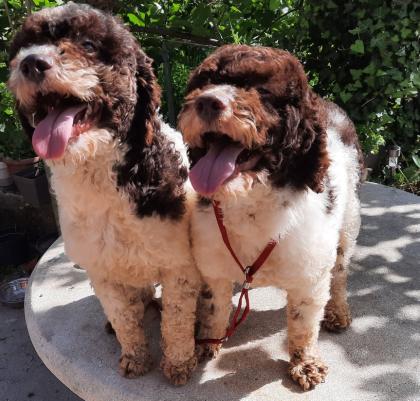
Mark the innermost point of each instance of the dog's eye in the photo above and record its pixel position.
(89, 46)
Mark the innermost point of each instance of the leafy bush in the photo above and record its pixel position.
(362, 54)
(13, 143)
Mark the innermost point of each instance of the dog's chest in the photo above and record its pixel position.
(99, 226)
(291, 218)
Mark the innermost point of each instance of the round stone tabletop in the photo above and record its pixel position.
(378, 358)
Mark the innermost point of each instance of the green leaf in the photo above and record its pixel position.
(8, 111)
(345, 96)
(356, 74)
(358, 47)
(355, 31)
(416, 160)
(405, 33)
(331, 5)
(135, 20)
(274, 5)
(175, 7)
(370, 69)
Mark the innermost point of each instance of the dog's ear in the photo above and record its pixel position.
(302, 143)
(144, 122)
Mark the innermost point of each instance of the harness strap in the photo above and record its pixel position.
(249, 272)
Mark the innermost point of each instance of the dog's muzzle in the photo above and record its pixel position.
(33, 67)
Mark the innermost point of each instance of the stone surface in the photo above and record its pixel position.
(377, 359)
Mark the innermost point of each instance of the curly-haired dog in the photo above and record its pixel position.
(283, 164)
(88, 97)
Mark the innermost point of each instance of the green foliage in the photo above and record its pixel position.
(362, 54)
(191, 29)
(13, 143)
(365, 55)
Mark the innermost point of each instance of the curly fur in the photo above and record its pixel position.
(302, 191)
(121, 184)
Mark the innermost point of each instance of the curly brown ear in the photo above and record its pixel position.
(302, 145)
(144, 121)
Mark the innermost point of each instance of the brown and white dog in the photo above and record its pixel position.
(88, 97)
(284, 164)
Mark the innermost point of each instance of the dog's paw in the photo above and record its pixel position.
(178, 374)
(207, 351)
(336, 319)
(132, 366)
(308, 373)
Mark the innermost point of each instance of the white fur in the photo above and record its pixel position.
(98, 222)
(60, 78)
(308, 237)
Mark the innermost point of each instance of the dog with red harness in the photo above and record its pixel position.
(277, 169)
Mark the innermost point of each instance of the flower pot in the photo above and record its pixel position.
(33, 185)
(13, 248)
(14, 166)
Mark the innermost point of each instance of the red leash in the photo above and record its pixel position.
(249, 272)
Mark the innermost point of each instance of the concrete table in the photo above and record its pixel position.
(377, 359)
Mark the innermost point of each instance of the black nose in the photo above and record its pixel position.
(209, 107)
(33, 67)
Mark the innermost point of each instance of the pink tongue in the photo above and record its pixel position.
(213, 169)
(52, 134)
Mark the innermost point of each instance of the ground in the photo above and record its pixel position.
(23, 376)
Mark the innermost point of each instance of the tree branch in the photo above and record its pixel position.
(6, 9)
(171, 33)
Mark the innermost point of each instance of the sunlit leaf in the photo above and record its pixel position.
(358, 47)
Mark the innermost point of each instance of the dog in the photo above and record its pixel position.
(88, 97)
(283, 166)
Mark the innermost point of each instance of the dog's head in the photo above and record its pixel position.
(248, 114)
(73, 69)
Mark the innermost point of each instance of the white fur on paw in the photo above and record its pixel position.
(308, 373)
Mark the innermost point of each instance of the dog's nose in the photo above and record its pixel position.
(33, 67)
(209, 107)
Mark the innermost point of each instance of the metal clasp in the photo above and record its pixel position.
(248, 278)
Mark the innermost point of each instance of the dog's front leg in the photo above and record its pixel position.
(179, 303)
(305, 310)
(214, 307)
(124, 308)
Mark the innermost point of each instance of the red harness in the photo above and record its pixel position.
(249, 272)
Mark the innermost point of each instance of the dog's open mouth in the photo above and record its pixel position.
(224, 160)
(57, 122)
